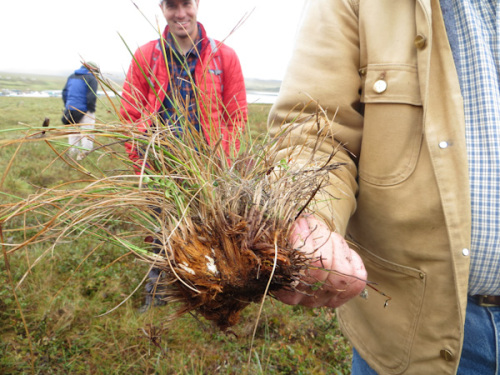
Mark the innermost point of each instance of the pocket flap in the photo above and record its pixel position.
(390, 83)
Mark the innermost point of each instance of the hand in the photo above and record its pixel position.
(332, 252)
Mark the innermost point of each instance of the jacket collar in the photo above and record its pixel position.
(426, 5)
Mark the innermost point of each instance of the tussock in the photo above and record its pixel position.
(221, 223)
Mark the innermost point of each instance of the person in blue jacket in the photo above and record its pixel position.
(79, 97)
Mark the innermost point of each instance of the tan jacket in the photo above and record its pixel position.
(386, 68)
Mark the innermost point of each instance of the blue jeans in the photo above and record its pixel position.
(481, 351)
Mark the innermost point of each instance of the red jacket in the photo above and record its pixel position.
(218, 78)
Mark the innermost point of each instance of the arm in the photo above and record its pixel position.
(134, 96)
(134, 100)
(91, 93)
(65, 93)
(324, 72)
(234, 97)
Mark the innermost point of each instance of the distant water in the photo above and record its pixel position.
(253, 97)
(261, 97)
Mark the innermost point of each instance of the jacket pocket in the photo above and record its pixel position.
(383, 331)
(393, 126)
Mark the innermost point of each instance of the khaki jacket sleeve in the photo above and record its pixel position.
(323, 79)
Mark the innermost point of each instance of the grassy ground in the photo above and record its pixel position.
(57, 326)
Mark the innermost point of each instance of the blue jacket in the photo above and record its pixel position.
(79, 93)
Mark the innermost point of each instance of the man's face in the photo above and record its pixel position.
(181, 17)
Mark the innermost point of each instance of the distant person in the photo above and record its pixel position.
(79, 96)
(201, 77)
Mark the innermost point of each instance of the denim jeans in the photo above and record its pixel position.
(481, 351)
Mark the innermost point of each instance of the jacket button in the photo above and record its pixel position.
(420, 41)
(380, 86)
(447, 355)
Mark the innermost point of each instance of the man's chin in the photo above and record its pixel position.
(180, 34)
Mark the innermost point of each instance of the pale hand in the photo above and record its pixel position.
(313, 237)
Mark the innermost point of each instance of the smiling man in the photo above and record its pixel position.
(185, 77)
(186, 72)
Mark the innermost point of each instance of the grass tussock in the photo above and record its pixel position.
(219, 219)
(74, 249)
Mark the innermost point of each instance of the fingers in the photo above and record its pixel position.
(337, 273)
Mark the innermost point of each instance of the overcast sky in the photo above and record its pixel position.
(51, 36)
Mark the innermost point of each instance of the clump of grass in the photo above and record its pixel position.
(222, 223)
(224, 226)
(222, 220)
(64, 283)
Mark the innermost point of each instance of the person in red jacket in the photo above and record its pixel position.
(200, 74)
(184, 72)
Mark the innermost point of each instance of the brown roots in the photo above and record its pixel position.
(218, 275)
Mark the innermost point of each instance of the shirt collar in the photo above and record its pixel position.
(194, 50)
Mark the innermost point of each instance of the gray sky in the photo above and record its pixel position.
(51, 36)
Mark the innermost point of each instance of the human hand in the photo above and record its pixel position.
(337, 270)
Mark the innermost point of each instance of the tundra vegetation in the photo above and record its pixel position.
(71, 306)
